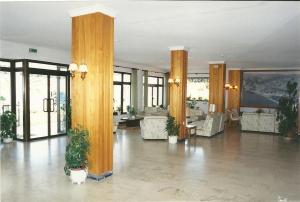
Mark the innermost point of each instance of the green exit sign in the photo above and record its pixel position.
(32, 50)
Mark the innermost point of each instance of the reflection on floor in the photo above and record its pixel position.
(228, 167)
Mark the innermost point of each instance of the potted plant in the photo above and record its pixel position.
(119, 109)
(131, 111)
(77, 155)
(172, 128)
(287, 112)
(7, 121)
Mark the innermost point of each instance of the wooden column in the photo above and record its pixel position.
(217, 77)
(92, 107)
(234, 96)
(179, 60)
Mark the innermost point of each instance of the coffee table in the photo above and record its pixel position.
(132, 122)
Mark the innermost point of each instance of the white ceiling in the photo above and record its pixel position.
(244, 34)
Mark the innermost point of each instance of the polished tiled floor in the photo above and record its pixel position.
(228, 167)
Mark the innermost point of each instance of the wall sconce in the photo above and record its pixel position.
(228, 86)
(83, 69)
(172, 81)
(72, 69)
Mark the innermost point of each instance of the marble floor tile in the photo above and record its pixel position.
(231, 166)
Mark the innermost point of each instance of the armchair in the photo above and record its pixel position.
(213, 124)
(153, 127)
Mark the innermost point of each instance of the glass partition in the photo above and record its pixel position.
(37, 92)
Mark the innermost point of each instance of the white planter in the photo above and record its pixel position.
(172, 139)
(7, 140)
(78, 176)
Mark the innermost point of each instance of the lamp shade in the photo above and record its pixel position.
(212, 108)
(170, 80)
(83, 68)
(73, 67)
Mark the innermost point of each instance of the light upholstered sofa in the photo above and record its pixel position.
(213, 124)
(194, 115)
(155, 111)
(261, 122)
(153, 127)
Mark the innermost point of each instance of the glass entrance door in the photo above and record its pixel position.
(47, 105)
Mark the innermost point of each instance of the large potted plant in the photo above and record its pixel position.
(131, 111)
(172, 128)
(77, 155)
(287, 112)
(7, 121)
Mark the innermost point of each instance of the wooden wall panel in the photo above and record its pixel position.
(234, 96)
(178, 93)
(92, 107)
(217, 77)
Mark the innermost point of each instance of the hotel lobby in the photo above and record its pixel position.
(150, 101)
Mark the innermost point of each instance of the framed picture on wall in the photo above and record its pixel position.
(264, 88)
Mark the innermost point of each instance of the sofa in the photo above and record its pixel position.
(155, 111)
(213, 124)
(260, 122)
(153, 127)
(194, 115)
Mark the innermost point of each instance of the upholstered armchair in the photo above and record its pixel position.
(153, 127)
(116, 123)
(213, 124)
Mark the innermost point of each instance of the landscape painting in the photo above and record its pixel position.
(264, 88)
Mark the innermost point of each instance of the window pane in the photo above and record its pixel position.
(117, 77)
(154, 102)
(198, 88)
(63, 68)
(117, 97)
(5, 104)
(160, 81)
(42, 66)
(19, 64)
(19, 104)
(160, 95)
(4, 64)
(126, 77)
(152, 80)
(126, 97)
(149, 96)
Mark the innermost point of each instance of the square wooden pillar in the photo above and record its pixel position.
(92, 97)
(217, 77)
(179, 61)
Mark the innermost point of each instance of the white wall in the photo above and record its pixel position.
(13, 50)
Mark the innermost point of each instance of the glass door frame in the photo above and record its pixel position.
(26, 71)
(49, 73)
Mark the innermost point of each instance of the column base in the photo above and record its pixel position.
(100, 177)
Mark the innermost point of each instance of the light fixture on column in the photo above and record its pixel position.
(72, 69)
(228, 86)
(83, 70)
(171, 81)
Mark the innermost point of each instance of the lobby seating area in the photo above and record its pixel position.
(150, 101)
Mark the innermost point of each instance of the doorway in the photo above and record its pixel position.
(47, 105)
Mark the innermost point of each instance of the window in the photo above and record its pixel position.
(198, 88)
(122, 89)
(155, 91)
(5, 92)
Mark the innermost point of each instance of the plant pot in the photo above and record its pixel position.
(291, 135)
(7, 140)
(172, 139)
(78, 176)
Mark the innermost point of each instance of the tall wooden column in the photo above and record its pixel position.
(179, 59)
(234, 95)
(217, 77)
(92, 107)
